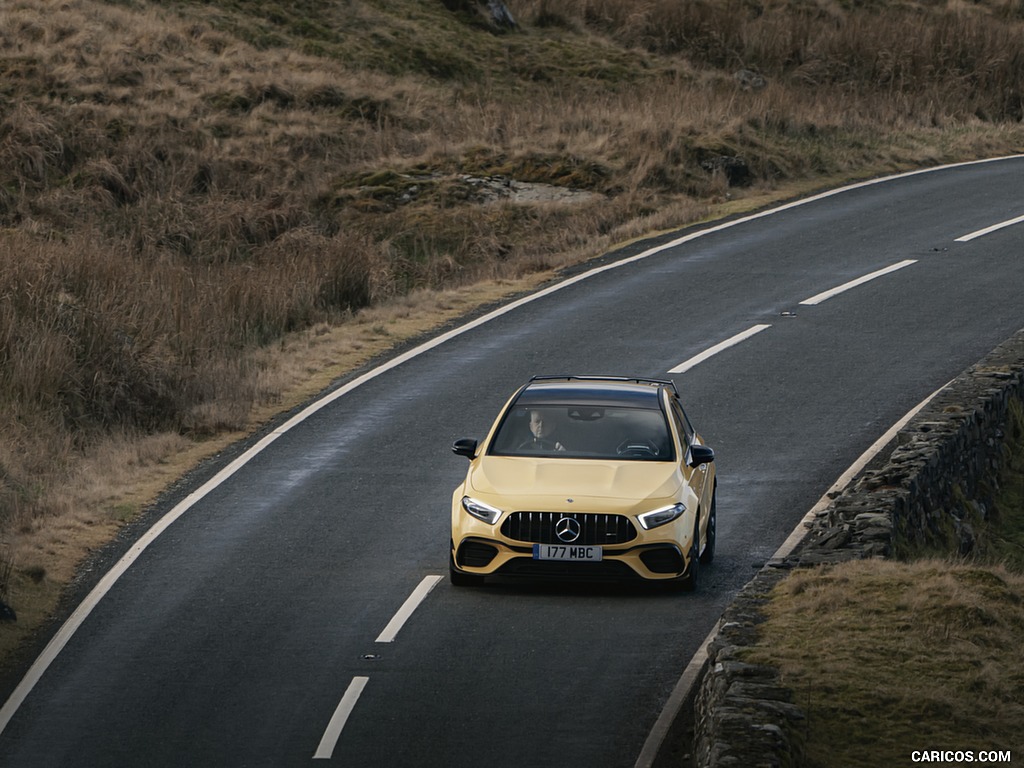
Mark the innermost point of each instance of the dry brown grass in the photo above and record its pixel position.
(81, 504)
(887, 657)
(186, 188)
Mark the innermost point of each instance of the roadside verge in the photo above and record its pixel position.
(932, 493)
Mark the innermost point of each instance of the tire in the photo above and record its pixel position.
(708, 555)
(690, 582)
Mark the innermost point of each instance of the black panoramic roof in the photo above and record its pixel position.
(593, 390)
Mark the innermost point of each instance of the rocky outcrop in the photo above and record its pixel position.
(735, 170)
(932, 492)
(496, 12)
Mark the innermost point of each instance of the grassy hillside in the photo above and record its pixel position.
(185, 184)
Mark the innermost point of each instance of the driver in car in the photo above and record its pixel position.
(543, 430)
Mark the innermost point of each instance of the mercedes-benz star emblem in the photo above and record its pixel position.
(567, 529)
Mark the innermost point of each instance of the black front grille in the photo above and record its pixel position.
(539, 527)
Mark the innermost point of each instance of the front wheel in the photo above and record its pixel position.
(690, 581)
(712, 532)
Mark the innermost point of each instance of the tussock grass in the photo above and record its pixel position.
(888, 657)
(186, 186)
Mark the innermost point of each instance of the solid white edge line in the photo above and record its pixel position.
(800, 531)
(691, 674)
(348, 702)
(825, 295)
(712, 351)
(670, 712)
(989, 230)
(408, 608)
(79, 616)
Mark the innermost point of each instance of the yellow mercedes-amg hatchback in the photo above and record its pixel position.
(586, 477)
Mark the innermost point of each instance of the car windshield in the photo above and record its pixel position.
(584, 432)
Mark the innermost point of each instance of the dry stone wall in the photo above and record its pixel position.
(933, 491)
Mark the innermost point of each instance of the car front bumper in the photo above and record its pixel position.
(659, 561)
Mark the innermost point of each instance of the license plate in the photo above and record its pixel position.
(566, 552)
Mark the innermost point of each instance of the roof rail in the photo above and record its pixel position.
(636, 379)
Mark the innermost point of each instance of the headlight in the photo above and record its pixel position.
(481, 511)
(657, 517)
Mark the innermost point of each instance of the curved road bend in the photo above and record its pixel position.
(260, 628)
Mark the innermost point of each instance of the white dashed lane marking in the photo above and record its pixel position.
(826, 295)
(989, 230)
(712, 351)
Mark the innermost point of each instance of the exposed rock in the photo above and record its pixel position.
(500, 14)
(750, 80)
(497, 13)
(735, 169)
(494, 188)
(389, 190)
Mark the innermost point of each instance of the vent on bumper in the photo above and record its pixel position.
(663, 560)
(539, 528)
(475, 554)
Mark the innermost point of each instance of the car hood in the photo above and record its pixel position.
(559, 479)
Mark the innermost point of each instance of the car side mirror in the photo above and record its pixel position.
(465, 447)
(700, 454)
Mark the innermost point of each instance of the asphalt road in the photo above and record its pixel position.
(259, 628)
